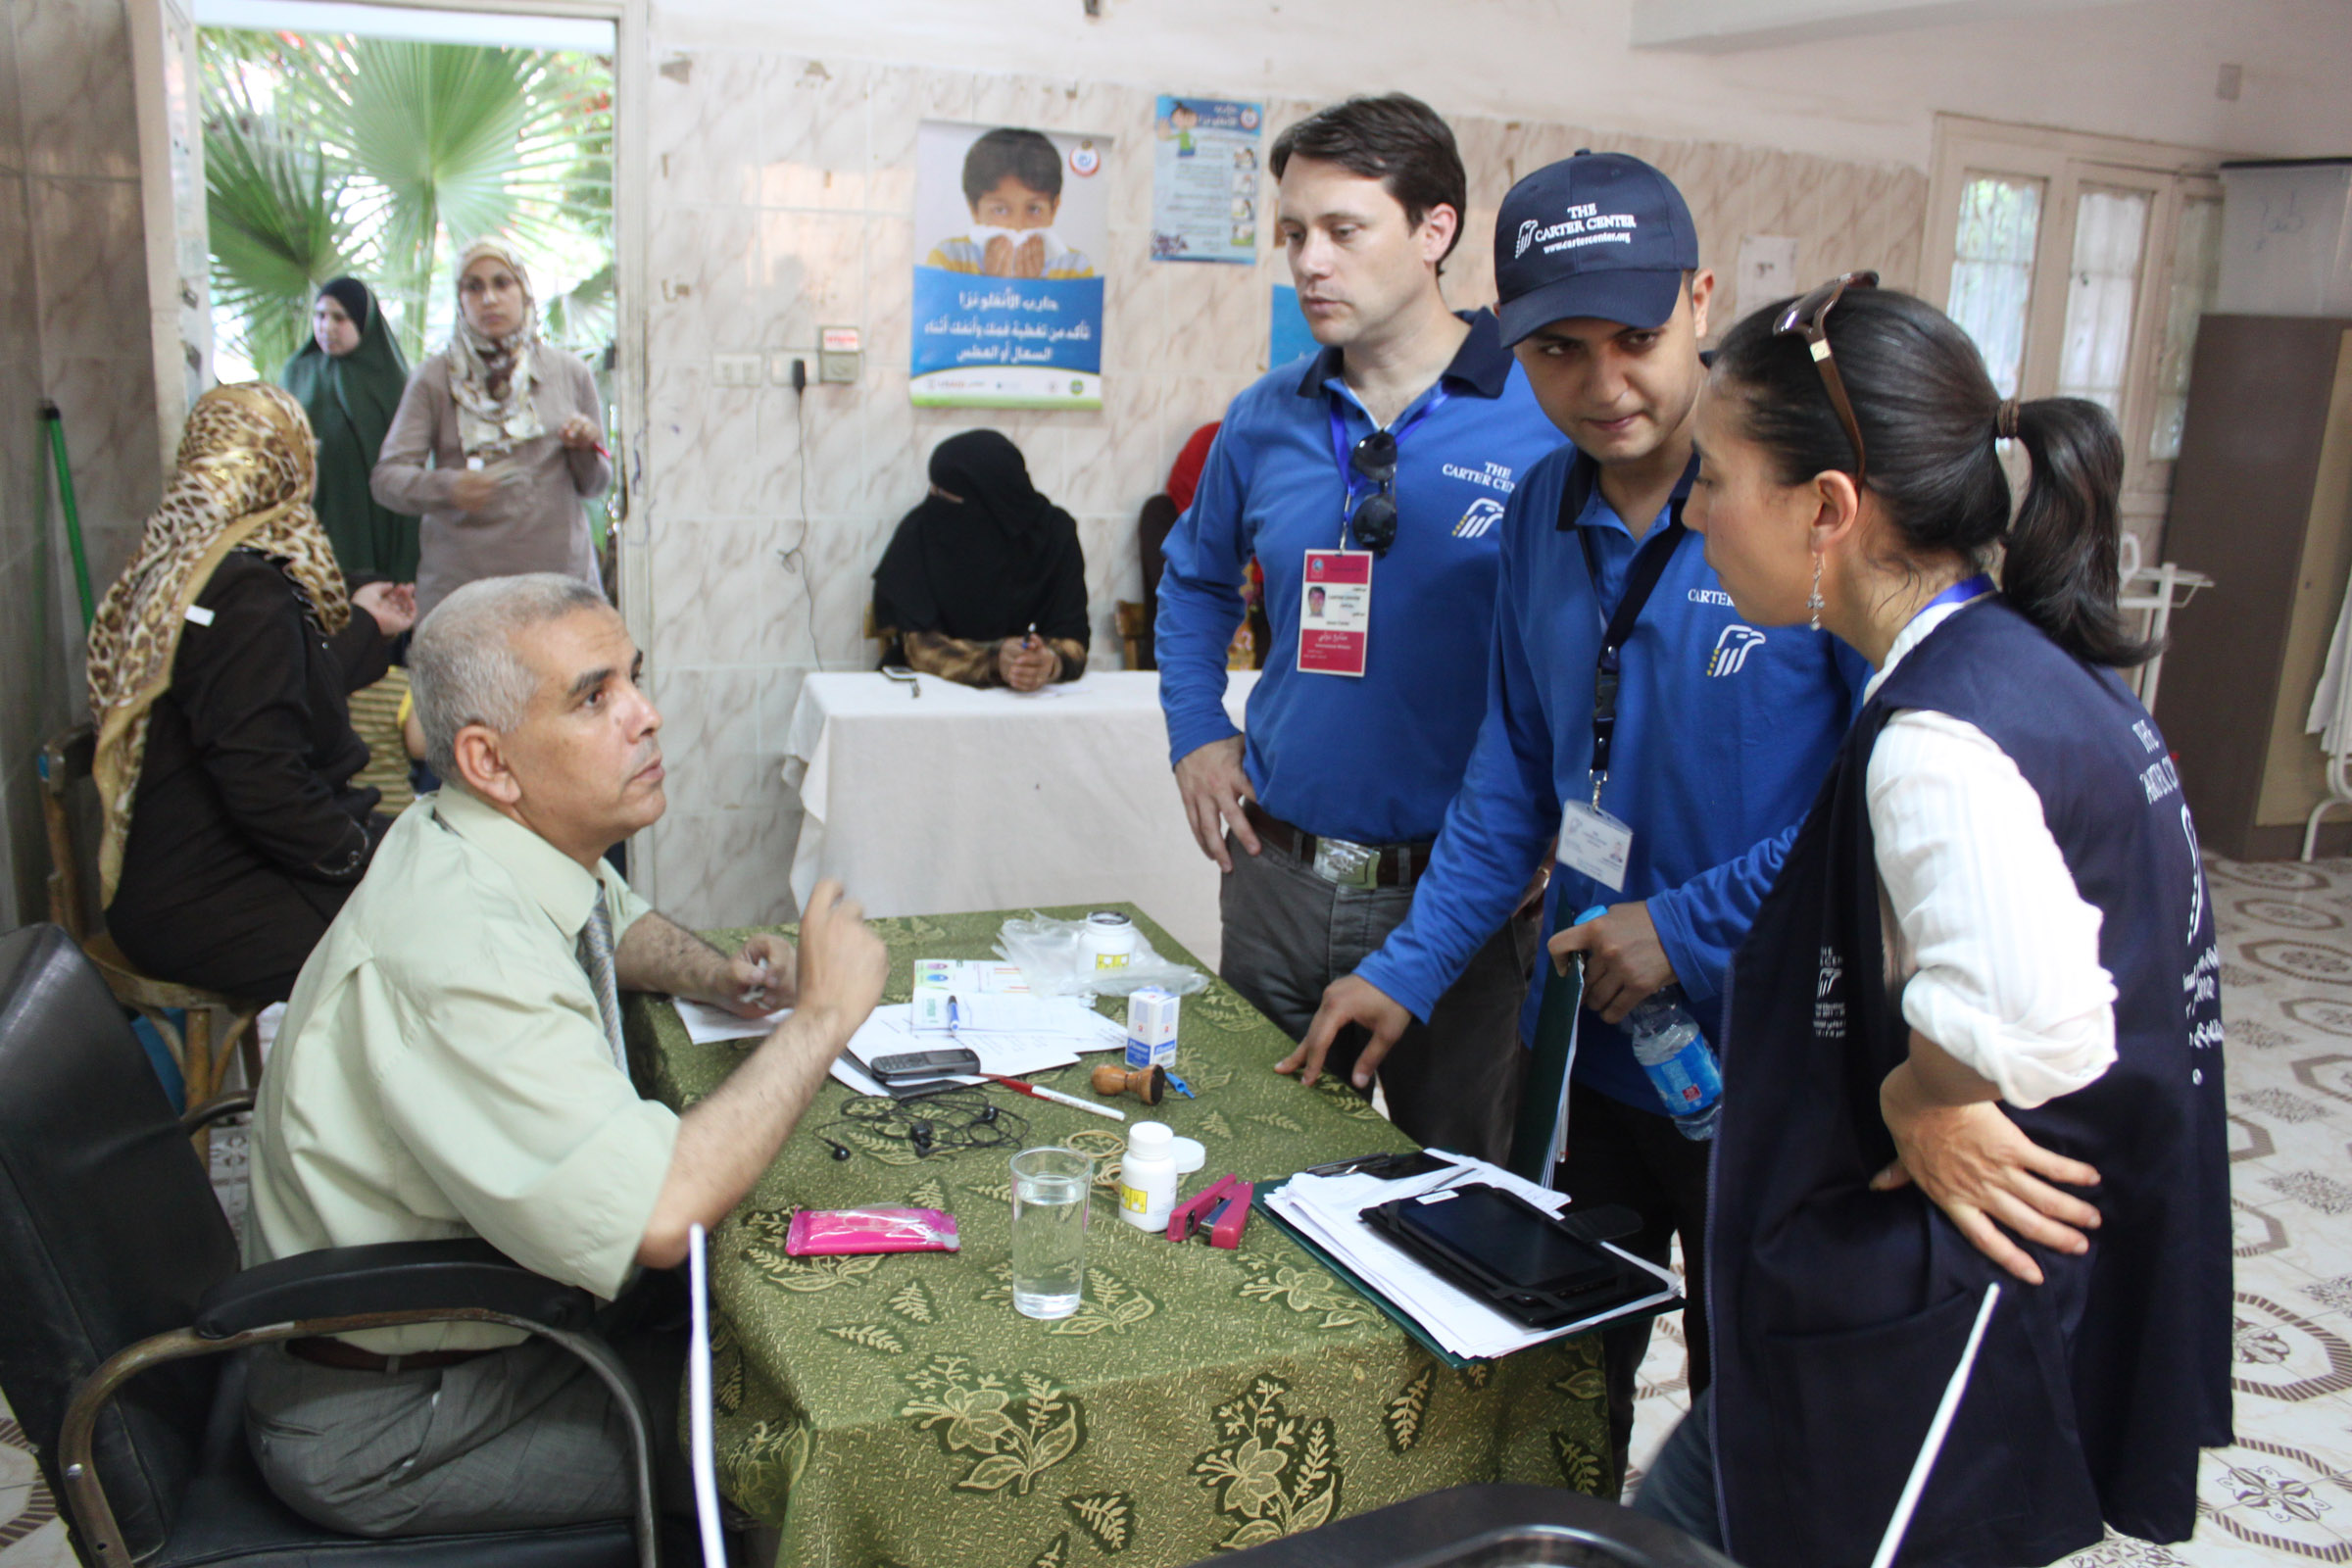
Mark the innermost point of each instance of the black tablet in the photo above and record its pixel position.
(1536, 1268)
(1510, 1239)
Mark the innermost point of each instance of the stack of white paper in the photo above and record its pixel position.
(1325, 1211)
(706, 1023)
(1053, 1040)
(970, 976)
(1064, 1018)
(996, 1024)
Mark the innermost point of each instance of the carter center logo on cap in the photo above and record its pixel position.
(1584, 225)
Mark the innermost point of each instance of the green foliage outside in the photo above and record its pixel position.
(327, 155)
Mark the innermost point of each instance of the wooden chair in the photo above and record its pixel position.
(1151, 528)
(879, 635)
(216, 1024)
(1132, 627)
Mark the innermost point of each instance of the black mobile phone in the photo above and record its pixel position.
(915, 1065)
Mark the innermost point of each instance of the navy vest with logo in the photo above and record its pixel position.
(1839, 1314)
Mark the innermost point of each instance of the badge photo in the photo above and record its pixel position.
(1335, 613)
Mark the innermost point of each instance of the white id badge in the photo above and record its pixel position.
(1335, 613)
(1594, 841)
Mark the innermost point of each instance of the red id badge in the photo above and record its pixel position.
(1335, 613)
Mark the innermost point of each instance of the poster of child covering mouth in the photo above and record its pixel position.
(1010, 230)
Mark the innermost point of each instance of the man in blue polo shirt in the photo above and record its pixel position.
(1720, 734)
(1367, 481)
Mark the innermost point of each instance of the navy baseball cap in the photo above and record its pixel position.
(1601, 234)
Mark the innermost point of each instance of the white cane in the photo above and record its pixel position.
(1892, 1541)
(698, 1388)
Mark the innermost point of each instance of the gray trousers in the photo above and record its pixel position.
(1451, 1083)
(515, 1439)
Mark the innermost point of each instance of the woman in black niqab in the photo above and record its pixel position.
(979, 562)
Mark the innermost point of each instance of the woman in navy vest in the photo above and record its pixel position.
(1975, 1037)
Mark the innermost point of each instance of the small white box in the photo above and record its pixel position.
(1152, 1027)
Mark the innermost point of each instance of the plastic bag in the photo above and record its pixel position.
(832, 1232)
(1049, 954)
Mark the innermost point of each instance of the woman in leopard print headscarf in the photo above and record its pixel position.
(217, 667)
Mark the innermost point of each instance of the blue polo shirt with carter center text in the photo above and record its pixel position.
(1373, 758)
(1724, 733)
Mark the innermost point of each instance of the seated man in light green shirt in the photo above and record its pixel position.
(451, 1065)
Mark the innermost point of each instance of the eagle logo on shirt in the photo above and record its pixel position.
(1731, 646)
(1484, 513)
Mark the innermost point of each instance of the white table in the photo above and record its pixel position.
(960, 800)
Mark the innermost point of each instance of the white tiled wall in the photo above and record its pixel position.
(783, 201)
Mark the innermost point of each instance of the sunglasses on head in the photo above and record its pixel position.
(1808, 318)
(1374, 520)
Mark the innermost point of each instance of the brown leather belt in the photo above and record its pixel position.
(346, 1357)
(1379, 866)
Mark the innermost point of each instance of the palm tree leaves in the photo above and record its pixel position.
(382, 156)
(275, 234)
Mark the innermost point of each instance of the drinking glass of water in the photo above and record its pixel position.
(1050, 1188)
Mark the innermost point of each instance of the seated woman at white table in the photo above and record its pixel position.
(984, 582)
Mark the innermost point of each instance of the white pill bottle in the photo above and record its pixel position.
(1106, 941)
(1148, 1176)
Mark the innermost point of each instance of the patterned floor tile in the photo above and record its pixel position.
(31, 1536)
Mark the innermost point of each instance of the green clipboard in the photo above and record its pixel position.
(1394, 1313)
(1543, 1102)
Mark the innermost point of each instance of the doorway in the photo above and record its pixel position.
(293, 141)
(376, 142)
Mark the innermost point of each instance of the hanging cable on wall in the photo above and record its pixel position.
(795, 560)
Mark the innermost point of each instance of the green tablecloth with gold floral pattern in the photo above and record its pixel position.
(894, 1410)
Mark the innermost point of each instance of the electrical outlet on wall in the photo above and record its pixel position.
(840, 356)
(736, 370)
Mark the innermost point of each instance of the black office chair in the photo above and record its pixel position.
(124, 1290)
(1487, 1527)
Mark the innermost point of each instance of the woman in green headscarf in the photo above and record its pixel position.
(348, 378)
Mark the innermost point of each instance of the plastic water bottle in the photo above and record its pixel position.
(1681, 1069)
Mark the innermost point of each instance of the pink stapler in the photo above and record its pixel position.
(1224, 1208)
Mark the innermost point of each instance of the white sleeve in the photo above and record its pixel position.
(2009, 979)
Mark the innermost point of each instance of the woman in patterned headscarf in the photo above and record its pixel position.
(218, 668)
(513, 429)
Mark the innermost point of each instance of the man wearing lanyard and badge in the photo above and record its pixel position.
(1671, 749)
(1367, 481)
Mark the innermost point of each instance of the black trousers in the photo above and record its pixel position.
(1617, 1154)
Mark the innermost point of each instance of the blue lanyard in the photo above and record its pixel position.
(1959, 593)
(1340, 443)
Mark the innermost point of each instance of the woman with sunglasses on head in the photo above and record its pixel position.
(1975, 1037)
(513, 431)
